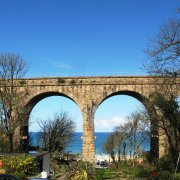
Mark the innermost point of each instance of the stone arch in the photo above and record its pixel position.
(154, 143)
(38, 97)
(31, 102)
(143, 99)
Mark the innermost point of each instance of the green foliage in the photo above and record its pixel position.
(177, 176)
(2, 171)
(168, 106)
(169, 121)
(165, 175)
(58, 167)
(134, 171)
(101, 174)
(126, 170)
(166, 163)
(81, 170)
(20, 175)
(141, 172)
(20, 163)
(104, 173)
(121, 165)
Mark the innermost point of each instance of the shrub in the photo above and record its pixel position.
(177, 176)
(81, 170)
(165, 175)
(2, 171)
(120, 165)
(104, 173)
(166, 163)
(142, 172)
(20, 175)
(20, 163)
(101, 174)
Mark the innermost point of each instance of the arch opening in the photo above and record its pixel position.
(114, 111)
(47, 105)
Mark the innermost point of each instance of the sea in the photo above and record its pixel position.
(75, 147)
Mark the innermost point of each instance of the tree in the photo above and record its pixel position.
(131, 134)
(109, 146)
(138, 132)
(3, 138)
(12, 68)
(56, 133)
(163, 54)
(120, 141)
(169, 121)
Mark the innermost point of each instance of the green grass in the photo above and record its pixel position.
(122, 170)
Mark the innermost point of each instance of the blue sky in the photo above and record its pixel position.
(81, 37)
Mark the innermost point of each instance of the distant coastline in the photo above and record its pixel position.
(75, 147)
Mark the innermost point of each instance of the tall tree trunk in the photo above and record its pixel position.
(119, 155)
(11, 143)
(113, 157)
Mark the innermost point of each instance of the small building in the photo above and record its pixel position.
(43, 158)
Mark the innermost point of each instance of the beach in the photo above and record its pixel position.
(103, 157)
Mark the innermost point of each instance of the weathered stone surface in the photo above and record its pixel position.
(88, 93)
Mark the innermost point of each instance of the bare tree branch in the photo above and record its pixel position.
(56, 133)
(12, 67)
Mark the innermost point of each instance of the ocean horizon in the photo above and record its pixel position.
(75, 147)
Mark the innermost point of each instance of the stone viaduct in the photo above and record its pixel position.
(88, 93)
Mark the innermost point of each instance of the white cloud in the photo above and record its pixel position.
(108, 124)
(118, 121)
(62, 65)
(58, 64)
(102, 123)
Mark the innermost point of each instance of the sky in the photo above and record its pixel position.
(82, 38)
